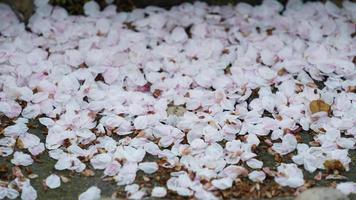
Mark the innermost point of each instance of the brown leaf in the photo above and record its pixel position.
(331, 165)
(4, 168)
(88, 172)
(351, 89)
(299, 87)
(282, 72)
(319, 106)
(16, 171)
(19, 144)
(157, 93)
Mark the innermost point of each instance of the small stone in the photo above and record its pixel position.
(335, 177)
(64, 179)
(146, 179)
(88, 172)
(33, 176)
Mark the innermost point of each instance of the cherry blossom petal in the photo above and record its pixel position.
(92, 193)
(53, 181)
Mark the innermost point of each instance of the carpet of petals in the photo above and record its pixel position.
(103, 85)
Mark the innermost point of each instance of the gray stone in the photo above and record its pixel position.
(322, 193)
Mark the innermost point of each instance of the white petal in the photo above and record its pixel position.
(28, 193)
(347, 187)
(289, 175)
(92, 193)
(63, 163)
(12, 193)
(140, 122)
(46, 121)
(223, 183)
(132, 188)
(73, 58)
(178, 34)
(112, 169)
(91, 8)
(100, 161)
(21, 159)
(267, 73)
(254, 163)
(53, 181)
(29, 140)
(289, 143)
(159, 192)
(148, 167)
(257, 176)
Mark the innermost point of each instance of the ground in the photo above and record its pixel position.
(78, 183)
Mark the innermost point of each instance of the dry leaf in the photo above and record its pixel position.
(4, 168)
(19, 144)
(333, 165)
(351, 89)
(319, 106)
(282, 72)
(88, 172)
(157, 93)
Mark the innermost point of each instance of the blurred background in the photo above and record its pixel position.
(24, 8)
